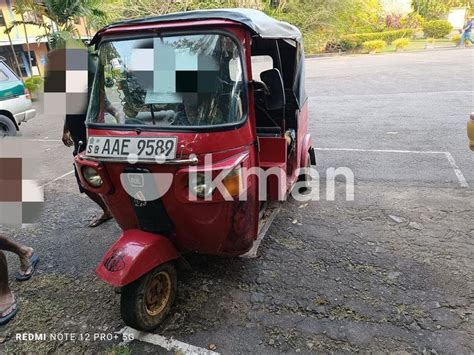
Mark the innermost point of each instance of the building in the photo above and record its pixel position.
(36, 37)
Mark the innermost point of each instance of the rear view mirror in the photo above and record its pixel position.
(276, 99)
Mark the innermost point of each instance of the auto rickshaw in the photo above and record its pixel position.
(216, 92)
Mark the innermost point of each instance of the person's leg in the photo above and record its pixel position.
(6, 295)
(106, 215)
(469, 37)
(97, 199)
(23, 252)
(462, 40)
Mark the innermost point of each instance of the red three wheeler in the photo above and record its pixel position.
(213, 128)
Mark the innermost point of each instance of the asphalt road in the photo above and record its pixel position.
(332, 276)
(411, 101)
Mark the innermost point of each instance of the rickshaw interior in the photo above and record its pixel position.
(276, 112)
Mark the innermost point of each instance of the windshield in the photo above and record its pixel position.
(175, 81)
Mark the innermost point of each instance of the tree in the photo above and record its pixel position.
(64, 13)
(433, 9)
(430, 9)
(20, 7)
(7, 31)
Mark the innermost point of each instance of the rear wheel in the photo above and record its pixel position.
(7, 127)
(145, 303)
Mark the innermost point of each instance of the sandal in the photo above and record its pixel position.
(33, 261)
(7, 314)
(97, 222)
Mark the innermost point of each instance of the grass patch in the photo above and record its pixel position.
(419, 44)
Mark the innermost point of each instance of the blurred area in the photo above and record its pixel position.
(21, 197)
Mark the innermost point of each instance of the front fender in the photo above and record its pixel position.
(133, 255)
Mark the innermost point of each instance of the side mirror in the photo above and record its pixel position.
(272, 78)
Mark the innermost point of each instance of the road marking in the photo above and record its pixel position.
(382, 150)
(382, 95)
(167, 343)
(44, 140)
(457, 171)
(58, 178)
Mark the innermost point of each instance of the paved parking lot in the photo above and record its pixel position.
(390, 271)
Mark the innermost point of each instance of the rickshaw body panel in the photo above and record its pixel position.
(215, 227)
(133, 255)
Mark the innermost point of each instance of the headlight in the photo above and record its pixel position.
(198, 186)
(92, 176)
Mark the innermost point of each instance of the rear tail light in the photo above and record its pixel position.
(26, 92)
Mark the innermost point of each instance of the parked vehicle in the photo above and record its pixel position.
(15, 102)
(195, 106)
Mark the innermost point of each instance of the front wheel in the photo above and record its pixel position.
(146, 302)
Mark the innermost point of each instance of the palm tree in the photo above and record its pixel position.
(65, 12)
(20, 7)
(7, 31)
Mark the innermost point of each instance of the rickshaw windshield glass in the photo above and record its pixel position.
(173, 81)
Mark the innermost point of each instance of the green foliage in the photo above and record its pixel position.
(340, 45)
(413, 21)
(434, 9)
(124, 9)
(401, 43)
(34, 84)
(437, 28)
(456, 39)
(430, 9)
(358, 39)
(65, 39)
(374, 46)
(329, 17)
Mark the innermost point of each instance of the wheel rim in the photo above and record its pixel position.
(157, 293)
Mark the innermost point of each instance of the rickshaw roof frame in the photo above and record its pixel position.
(259, 23)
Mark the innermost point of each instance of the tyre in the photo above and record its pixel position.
(7, 127)
(146, 302)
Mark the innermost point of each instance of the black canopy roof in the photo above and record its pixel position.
(261, 24)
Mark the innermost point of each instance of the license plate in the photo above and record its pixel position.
(139, 148)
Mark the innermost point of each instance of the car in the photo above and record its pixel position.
(15, 102)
